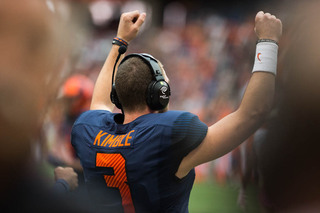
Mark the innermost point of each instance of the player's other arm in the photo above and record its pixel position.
(233, 129)
(66, 179)
(128, 28)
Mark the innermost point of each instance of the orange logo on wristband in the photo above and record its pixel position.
(258, 56)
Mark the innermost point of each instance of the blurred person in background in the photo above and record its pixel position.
(291, 177)
(35, 46)
(74, 99)
(143, 160)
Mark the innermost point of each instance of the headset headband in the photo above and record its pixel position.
(150, 61)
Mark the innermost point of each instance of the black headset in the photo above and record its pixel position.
(158, 92)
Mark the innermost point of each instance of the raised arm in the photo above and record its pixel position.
(233, 129)
(128, 28)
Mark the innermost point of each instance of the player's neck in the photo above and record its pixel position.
(131, 116)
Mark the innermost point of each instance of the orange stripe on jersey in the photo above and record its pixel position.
(119, 179)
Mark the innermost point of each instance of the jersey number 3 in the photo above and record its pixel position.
(119, 179)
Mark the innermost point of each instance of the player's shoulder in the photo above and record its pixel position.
(186, 114)
(180, 115)
(177, 113)
(93, 117)
(170, 117)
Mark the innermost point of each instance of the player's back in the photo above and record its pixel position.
(131, 167)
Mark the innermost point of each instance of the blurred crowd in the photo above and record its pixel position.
(208, 58)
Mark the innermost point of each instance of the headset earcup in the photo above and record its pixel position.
(114, 97)
(158, 95)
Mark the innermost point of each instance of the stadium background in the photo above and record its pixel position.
(207, 48)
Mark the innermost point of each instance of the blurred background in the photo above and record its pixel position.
(207, 49)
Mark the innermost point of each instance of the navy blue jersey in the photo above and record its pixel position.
(131, 167)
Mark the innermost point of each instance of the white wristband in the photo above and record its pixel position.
(266, 57)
